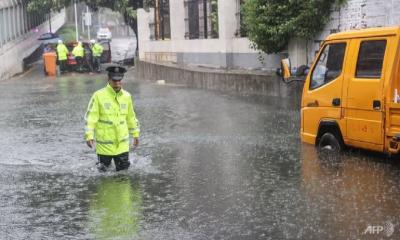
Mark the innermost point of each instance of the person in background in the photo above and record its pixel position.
(97, 50)
(62, 52)
(78, 52)
(110, 119)
(88, 62)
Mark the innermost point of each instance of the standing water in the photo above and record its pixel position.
(209, 166)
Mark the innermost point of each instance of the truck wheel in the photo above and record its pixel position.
(329, 142)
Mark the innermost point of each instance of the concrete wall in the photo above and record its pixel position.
(238, 83)
(227, 51)
(13, 53)
(355, 14)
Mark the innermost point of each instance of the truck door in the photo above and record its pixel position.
(364, 101)
(322, 93)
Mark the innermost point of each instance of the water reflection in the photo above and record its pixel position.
(115, 208)
(349, 192)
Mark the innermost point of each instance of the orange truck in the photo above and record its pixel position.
(350, 95)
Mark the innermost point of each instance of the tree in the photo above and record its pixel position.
(46, 6)
(270, 24)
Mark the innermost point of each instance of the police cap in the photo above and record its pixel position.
(116, 72)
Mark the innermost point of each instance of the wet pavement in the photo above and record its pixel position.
(123, 48)
(211, 165)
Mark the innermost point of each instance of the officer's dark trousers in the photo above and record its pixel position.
(79, 64)
(96, 64)
(63, 66)
(121, 161)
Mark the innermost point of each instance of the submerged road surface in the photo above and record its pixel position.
(210, 166)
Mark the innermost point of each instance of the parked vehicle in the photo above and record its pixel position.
(104, 34)
(105, 57)
(49, 38)
(350, 96)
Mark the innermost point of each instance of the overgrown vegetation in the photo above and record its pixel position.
(270, 24)
(214, 17)
(67, 33)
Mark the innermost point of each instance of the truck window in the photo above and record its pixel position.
(370, 59)
(329, 65)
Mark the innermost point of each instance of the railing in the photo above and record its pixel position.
(16, 21)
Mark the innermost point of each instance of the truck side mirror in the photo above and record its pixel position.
(285, 68)
(286, 72)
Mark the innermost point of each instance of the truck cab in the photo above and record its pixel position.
(350, 93)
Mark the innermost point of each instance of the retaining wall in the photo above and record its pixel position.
(242, 83)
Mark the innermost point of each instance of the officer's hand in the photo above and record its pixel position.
(89, 143)
(135, 142)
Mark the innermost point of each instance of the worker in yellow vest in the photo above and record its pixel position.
(110, 119)
(97, 51)
(78, 52)
(62, 52)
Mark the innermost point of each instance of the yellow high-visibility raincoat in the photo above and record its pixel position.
(78, 50)
(62, 52)
(97, 50)
(110, 118)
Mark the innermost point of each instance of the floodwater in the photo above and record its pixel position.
(210, 165)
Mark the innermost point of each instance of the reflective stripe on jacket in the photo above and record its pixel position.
(97, 50)
(110, 117)
(62, 52)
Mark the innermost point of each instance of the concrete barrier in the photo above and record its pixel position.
(14, 52)
(239, 82)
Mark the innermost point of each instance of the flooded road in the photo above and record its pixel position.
(210, 166)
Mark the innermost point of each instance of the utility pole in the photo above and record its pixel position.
(76, 22)
(50, 20)
(88, 20)
(83, 22)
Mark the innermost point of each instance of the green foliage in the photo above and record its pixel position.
(148, 3)
(40, 6)
(270, 24)
(67, 33)
(125, 7)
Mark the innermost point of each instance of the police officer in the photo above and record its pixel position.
(110, 118)
(62, 52)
